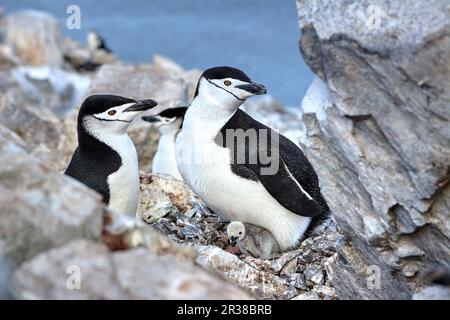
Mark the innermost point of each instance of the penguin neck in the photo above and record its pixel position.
(118, 142)
(207, 116)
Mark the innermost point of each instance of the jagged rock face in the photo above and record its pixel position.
(382, 150)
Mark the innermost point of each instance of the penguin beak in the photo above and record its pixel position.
(253, 88)
(142, 105)
(151, 119)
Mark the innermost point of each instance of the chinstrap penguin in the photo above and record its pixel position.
(169, 124)
(283, 199)
(106, 159)
(96, 42)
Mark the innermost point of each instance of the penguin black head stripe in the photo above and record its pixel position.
(109, 113)
(228, 82)
(105, 159)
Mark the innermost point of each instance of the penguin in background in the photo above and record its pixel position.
(168, 123)
(96, 42)
(106, 158)
(283, 200)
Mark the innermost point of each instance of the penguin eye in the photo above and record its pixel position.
(227, 83)
(112, 112)
(240, 232)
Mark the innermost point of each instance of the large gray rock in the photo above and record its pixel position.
(46, 136)
(41, 208)
(34, 37)
(85, 269)
(262, 284)
(380, 144)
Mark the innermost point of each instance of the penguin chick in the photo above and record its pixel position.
(252, 240)
(168, 123)
(106, 158)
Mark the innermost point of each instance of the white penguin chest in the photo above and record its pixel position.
(205, 167)
(124, 183)
(164, 160)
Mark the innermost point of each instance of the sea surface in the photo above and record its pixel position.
(258, 36)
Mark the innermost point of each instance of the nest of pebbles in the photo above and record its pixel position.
(173, 209)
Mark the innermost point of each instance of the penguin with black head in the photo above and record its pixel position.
(106, 158)
(283, 200)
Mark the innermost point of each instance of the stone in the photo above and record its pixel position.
(31, 113)
(379, 138)
(35, 37)
(432, 293)
(145, 276)
(58, 90)
(289, 268)
(314, 273)
(159, 188)
(41, 209)
(261, 284)
(5, 275)
(300, 281)
(84, 269)
(325, 292)
(311, 295)
(80, 270)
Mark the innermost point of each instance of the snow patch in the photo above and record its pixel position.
(317, 99)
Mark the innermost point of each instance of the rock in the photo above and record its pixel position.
(432, 293)
(289, 268)
(88, 270)
(41, 208)
(173, 209)
(5, 275)
(277, 264)
(159, 190)
(34, 37)
(325, 292)
(79, 270)
(45, 135)
(314, 273)
(261, 284)
(311, 295)
(379, 138)
(58, 90)
(146, 276)
(299, 281)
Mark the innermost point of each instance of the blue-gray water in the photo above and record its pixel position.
(257, 36)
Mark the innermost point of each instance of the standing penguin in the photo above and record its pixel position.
(283, 200)
(106, 158)
(96, 42)
(169, 124)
